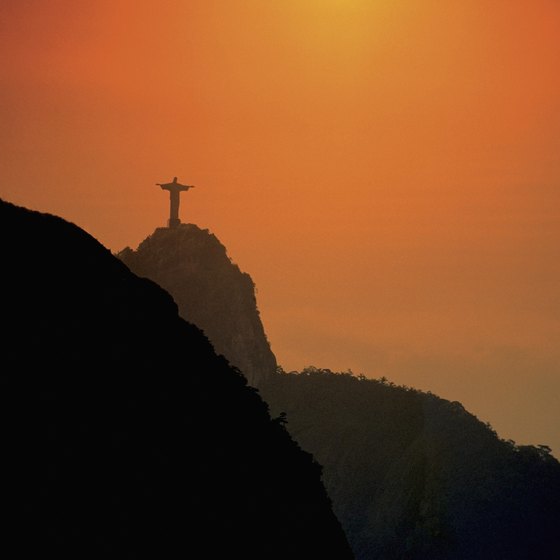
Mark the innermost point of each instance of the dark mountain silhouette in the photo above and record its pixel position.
(123, 434)
(209, 290)
(411, 476)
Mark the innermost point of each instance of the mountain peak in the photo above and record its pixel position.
(210, 291)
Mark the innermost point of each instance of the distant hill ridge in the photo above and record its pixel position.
(124, 435)
(412, 476)
(417, 477)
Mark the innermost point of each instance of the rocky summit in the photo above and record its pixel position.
(210, 291)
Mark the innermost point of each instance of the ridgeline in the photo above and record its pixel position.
(411, 476)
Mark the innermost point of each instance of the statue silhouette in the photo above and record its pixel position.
(174, 189)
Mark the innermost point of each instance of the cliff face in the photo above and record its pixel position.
(123, 434)
(210, 291)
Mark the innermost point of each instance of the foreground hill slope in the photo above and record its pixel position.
(123, 434)
(209, 290)
(411, 476)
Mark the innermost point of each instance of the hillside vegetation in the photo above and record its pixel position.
(414, 476)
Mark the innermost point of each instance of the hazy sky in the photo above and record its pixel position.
(388, 172)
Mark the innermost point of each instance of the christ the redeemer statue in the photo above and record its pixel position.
(174, 189)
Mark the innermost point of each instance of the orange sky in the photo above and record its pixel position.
(388, 172)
